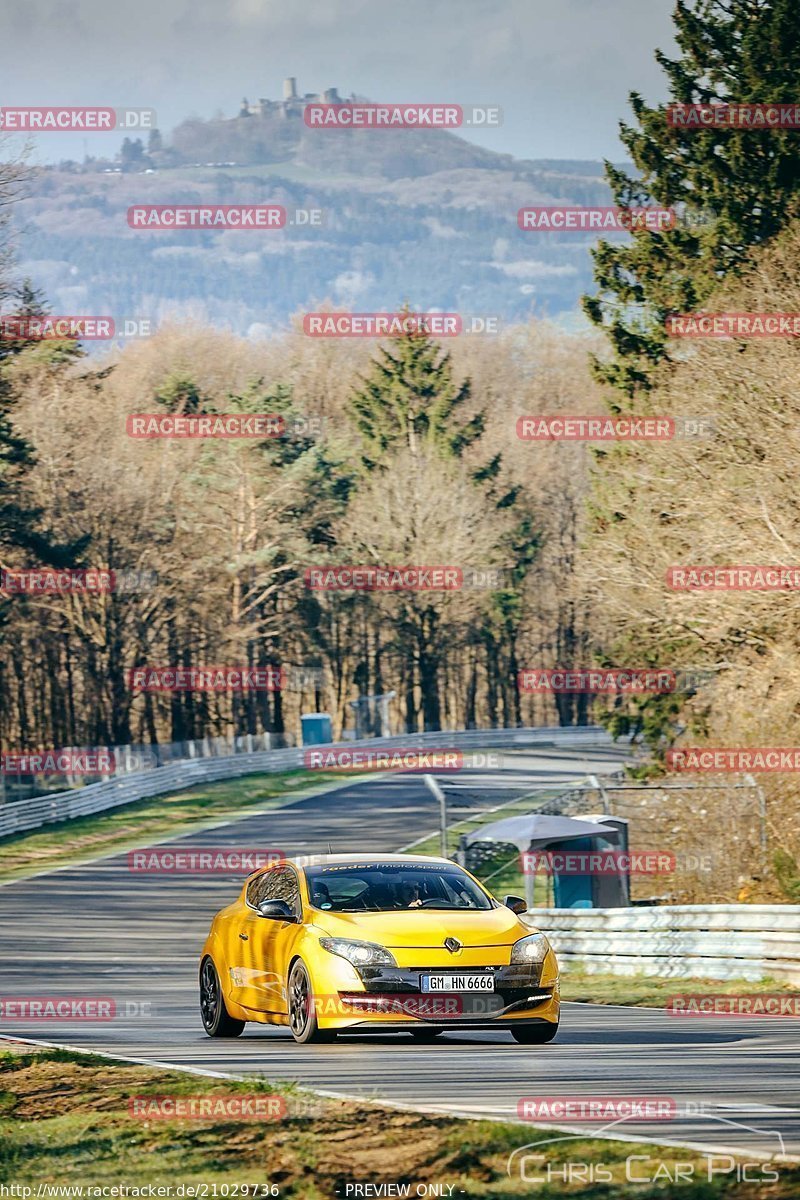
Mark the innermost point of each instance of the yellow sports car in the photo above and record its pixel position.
(357, 942)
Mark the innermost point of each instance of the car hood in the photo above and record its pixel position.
(426, 927)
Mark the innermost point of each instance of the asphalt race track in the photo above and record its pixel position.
(101, 930)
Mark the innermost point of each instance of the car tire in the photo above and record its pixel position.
(426, 1035)
(216, 1019)
(535, 1035)
(302, 1016)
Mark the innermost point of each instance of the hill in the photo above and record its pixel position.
(420, 216)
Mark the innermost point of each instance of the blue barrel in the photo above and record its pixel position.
(317, 728)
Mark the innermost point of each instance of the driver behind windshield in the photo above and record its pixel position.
(320, 895)
(383, 887)
(410, 895)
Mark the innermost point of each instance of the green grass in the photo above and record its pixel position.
(65, 1121)
(144, 821)
(645, 991)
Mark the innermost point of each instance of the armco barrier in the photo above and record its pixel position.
(97, 797)
(719, 941)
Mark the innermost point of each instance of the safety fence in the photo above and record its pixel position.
(176, 776)
(130, 759)
(720, 941)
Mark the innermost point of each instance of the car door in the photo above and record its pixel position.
(264, 946)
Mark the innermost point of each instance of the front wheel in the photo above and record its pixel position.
(217, 1021)
(535, 1035)
(302, 1015)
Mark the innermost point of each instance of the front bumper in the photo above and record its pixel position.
(393, 996)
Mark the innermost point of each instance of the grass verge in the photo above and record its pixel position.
(645, 991)
(65, 1120)
(124, 828)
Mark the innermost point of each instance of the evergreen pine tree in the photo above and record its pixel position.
(18, 517)
(410, 400)
(734, 188)
(181, 396)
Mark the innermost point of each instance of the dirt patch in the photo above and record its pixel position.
(336, 1138)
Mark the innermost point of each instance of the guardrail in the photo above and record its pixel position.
(720, 941)
(19, 816)
(131, 759)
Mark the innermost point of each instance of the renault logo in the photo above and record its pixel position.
(452, 944)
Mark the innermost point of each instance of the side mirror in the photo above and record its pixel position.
(276, 910)
(516, 904)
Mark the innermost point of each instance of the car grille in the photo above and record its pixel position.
(515, 986)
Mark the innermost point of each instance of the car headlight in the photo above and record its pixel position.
(531, 949)
(360, 954)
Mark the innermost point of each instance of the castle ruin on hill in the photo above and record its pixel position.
(292, 104)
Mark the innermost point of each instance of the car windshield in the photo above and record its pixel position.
(389, 887)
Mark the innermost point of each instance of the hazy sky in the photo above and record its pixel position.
(560, 69)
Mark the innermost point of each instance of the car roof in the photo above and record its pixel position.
(325, 860)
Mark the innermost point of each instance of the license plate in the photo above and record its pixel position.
(457, 983)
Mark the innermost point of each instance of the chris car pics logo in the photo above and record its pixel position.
(532, 1163)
